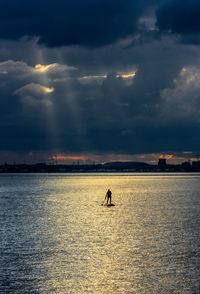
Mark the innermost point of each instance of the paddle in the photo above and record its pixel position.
(103, 203)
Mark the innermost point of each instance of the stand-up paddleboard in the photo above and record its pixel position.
(108, 205)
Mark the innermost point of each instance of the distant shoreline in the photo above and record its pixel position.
(56, 169)
(114, 167)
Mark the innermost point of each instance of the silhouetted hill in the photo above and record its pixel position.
(127, 164)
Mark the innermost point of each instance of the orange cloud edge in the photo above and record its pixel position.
(102, 158)
(92, 158)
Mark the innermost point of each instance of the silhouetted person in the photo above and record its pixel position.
(108, 196)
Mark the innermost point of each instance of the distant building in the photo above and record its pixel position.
(162, 162)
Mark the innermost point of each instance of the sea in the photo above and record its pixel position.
(56, 236)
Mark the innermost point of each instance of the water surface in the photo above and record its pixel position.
(56, 237)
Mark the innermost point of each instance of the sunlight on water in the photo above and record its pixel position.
(58, 238)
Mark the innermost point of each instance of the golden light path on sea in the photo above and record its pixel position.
(89, 248)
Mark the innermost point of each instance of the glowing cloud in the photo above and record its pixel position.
(35, 95)
(166, 156)
(104, 76)
(68, 157)
(34, 88)
(22, 69)
(54, 67)
(48, 90)
(93, 77)
(127, 75)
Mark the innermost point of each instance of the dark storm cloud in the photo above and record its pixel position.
(72, 22)
(75, 99)
(59, 109)
(180, 17)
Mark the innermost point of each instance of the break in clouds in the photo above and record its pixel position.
(100, 77)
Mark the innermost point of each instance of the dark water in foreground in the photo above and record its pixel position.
(55, 237)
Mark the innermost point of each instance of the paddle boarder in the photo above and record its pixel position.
(108, 196)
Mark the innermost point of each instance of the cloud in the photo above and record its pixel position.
(13, 67)
(52, 68)
(127, 76)
(22, 69)
(34, 88)
(73, 22)
(180, 17)
(35, 94)
(182, 102)
(106, 114)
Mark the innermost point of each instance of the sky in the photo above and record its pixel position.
(99, 80)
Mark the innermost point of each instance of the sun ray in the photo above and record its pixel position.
(42, 67)
(72, 103)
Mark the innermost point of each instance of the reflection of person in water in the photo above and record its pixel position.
(108, 196)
